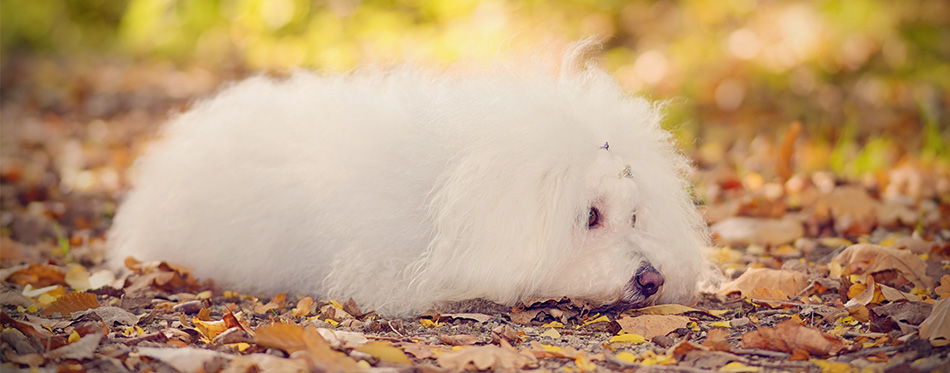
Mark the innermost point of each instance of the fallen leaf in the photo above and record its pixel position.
(39, 276)
(852, 209)
(209, 329)
(737, 367)
(384, 351)
(339, 339)
(484, 357)
(10, 297)
(943, 291)
(479, 317)
(717, 340)
(869, 259)
(77, 277)
(936, 328)
(185, 359)
(779, 284)
(79, 350)
(303, 307)
(69, 303)
(458, 340)
(649, 326)
(115, 315)
(741, 230)
(789, 336)
(629, 338)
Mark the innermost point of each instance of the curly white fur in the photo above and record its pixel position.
(405, 188)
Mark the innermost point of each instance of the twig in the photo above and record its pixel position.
(394, 329)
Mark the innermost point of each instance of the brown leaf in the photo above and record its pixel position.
(650, 326)
(789, 336)
(39, 276)
(717, 340)
(865, 258)
(779, 284)
(936, 328)
(79, 350)
(943, 291)
(69, 303)
(303, 307)
(285, 337)
(853, 210)
(458, 340)
(484, 357)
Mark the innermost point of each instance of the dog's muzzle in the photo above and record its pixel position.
(644, 284)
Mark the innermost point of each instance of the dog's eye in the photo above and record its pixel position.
(593, 217)
(633, 220)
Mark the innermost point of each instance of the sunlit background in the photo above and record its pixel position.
(869, 80)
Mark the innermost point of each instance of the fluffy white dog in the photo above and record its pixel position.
(404, 189)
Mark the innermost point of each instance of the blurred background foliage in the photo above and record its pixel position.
(869, 80)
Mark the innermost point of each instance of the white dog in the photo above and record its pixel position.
(404, 189)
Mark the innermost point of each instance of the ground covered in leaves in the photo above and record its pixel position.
(824, 274)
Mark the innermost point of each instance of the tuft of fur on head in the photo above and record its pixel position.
(405, 189)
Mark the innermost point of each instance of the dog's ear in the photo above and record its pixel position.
(501, 219)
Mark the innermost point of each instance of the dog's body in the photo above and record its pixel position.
(403, 189)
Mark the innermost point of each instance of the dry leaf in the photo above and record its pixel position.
(185, 359)
(77, 277)
(717, 340)
(943, 291)
(936, 328)
(39, 276)
(854, 211)
(743, 230)
(385, 351)
(339, 339)
(788, 282)
(865, 258)
(458, 340)
(789, 336)
(485, 357)
(79, 350)
(650, 326)
(72, 302)
(479, 317)
(285, 337)
(210, 329)
(303, 307)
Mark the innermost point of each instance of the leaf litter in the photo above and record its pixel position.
(827, 274)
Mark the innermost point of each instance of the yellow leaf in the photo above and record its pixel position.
(721, 324)
(736, 366)
(73, 337)
(209, 329)
(336, 304)
(332, 322)
(626, 356)
(551, 349)
(583, 363)
(385, 351)
(629, 338)
(602, 318)
(204, 295)
(429, 323)
(553, 324)
(240, 346)
(831, 366)
(717, 313)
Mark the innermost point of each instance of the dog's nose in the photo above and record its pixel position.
(649, 280)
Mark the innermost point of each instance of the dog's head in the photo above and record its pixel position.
(537, 205)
